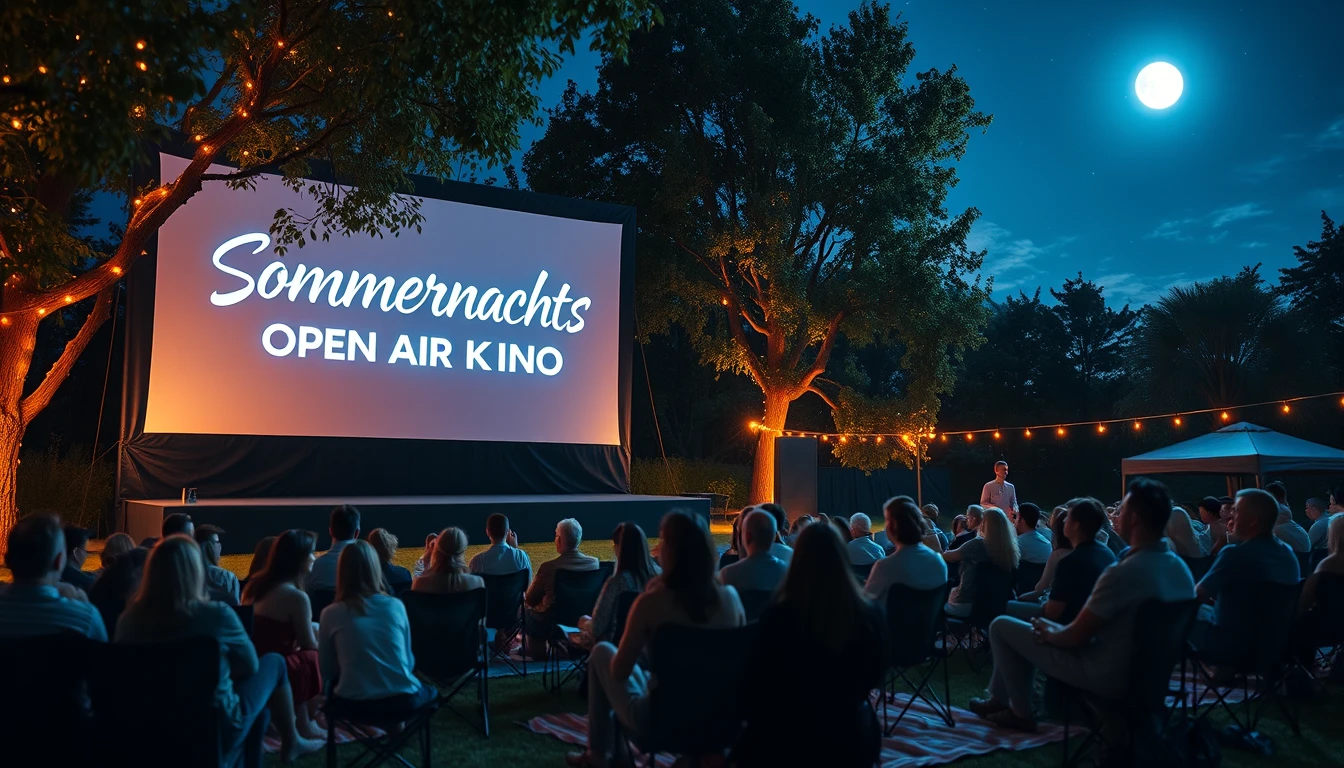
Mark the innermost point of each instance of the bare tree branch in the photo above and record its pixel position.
(40, 397)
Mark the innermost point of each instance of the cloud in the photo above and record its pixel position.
(1332, 137)
(1185, 229)
(1137, 290)
(1254, 244)
(1216, 237)
(1225, 216)
(1172, 230)
(1263, 169)
(1009, 260)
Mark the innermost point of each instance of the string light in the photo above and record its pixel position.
(142, 65)
(42, 70)
(844, 439)
(879, 439)
(1059, 431)
(1224, 416)
(15, 122)
(1028, 433)
(140, 46)
(1138, 425)
(1101, 429)
(970, 436)
(996, 434)
(1177, 421)
(1286, 409)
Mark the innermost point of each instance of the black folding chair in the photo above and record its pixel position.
(1028, 575)
(320, 599)
(993, 590)
(42, 695)
(1160, 632)
(504, 615)
(1259, 659)
(397, 726)
(576, 594)
(1326, 621)
(696, 708)
(914, 622)
(861, 572)
(154, 705)
(754, 602)
(448, 640)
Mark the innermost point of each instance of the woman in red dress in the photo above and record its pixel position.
(282, 621)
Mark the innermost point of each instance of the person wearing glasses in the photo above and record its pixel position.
(76, 552)
(220, 583)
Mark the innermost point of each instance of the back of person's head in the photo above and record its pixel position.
(75, 538)
(904, 521)
(117, 544)
(570, 533)
(758, 532)
(173, 581)
(1150, 503)
(1334, 537)
(260, 555)
(36, 547)
(359, 575)
(820, 586)
(1181, 533)
(687, 555)
(496, 527)
(736, 540)
(1029, 514)
(799, 523)
(1000, 539)
(344, 523)
(632, 554)
(1210, 506)
(616, 536)
(930, 511)
(1279, 491)
(974, 514)
(178, 522)
(1260, 507)
(204, 535)
(286, 563)
(384, 545)
(841, 525)
(959, 525)
(1337, 494)
(1058, 539)
(450, 552)
(121, 575)
(1317, 504)
(1087, 513)
(777, 512)
(860, 525)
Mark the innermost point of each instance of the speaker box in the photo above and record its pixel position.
(796, 475)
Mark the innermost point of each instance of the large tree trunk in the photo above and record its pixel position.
(763, 470)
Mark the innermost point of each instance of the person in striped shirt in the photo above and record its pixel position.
(34, 604)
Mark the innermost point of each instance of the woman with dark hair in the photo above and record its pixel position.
(171, 605)
(634, 569)
(734, 551)
(282, 620)
(259, 556)
(841, 525)
(819, 607)
(119, 580)
(1062, 548)
(687, 594)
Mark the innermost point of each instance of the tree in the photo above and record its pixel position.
(375, 91)
(1096, 336)
(1219, 343)
(791, 190)
(1316, 287)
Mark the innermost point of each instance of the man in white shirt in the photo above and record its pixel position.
(1285, 527)
(779, 549)
(760, 570)
(913, 564)
(35, 604)
(999, 492)
(862, 549)
(1319, 513)
(1034, 547)
(503, 557)
(1093, 651)
(344, 528)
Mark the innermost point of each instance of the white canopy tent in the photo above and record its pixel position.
(1238, 449)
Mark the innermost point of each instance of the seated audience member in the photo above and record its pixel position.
(384, 544)
(116, 544)
(1319, 513)
(117, 584)
(344, 528)
(1285, 527)
(1333, 563)
(1258, 557)
(220, 584)
(913, 564)
(503, 556)
(796, 528)
(861, 547)
(931, 513)
(933, 538)
(422, 562)
(1111, 538)
(760, 569)
(685, 595)
(260, 555)
(1077, 572)
(1093, 651)
(171, 605)
(1225, 517)
(841, 525)
(1181, 535)
(541, 593)
(76, 552)
(1060, 549)
(975, 514)
(1031, 544)
(634, 569)
(995, 545)
(33, 604)
(364, 641)
(959, 526)
(819, 608)
(178, 522)
(734, 551)
(447, 573)
(779, 548)
(282, 621)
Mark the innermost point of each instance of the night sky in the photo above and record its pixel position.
(1075, 174)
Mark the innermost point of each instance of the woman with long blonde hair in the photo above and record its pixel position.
(171, 605)
(447, 572)
(995, 545)
(1181, 534)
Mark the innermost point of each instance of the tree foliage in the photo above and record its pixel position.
(791, 190)
(1316, 287)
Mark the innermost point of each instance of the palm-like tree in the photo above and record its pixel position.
(1219, 343)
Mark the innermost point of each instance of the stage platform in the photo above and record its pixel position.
(410, 518)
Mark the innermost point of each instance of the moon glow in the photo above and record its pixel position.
(1159, 85)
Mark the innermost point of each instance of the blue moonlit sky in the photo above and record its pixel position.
(1075, 174)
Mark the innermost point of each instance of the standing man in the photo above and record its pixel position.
(999, 492)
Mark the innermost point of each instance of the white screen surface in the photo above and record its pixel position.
(489, 324)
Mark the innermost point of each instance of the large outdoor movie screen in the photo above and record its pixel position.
(488, 324)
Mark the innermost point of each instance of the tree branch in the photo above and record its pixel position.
(825, 398)
(40, 397)
(274, 165)
(210, 96)
(824, 353)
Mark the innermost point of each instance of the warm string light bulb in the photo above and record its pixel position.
(1101, 429)
(1286, 408)
(1059, 431)
(996, 434)
(1177, 421)
(1138, 425)
(1224, 416)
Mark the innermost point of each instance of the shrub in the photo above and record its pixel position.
(53, 483)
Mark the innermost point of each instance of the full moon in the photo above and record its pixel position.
(1159, 85)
